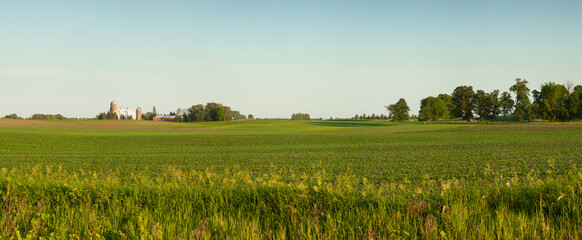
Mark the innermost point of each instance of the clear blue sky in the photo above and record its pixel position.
(274, 58)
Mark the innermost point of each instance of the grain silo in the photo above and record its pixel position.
(138, 113)
(113, 106)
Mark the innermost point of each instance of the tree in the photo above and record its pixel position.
(148, 116)
(154, 112)
(227, 113)
(251, 116)
(107, 115)
(210, 108)
(217, 114)
(507, 103)
(487, 105)
(178, 115)
(196, 113)
(553, 98)
(522, 103)
(236, 115)
(574, 104)
(536, 106)
(463, 102)
(433, 108)
(399, 110)
(578, 90)
(448, 101)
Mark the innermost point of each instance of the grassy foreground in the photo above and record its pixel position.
(289, 180)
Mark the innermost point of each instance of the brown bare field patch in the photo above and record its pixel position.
(103, 125)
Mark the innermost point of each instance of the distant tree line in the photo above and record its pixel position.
(12, 116)
(47, 117)
(38, 116)
(553, 102)
(300, 116)
(373, 116)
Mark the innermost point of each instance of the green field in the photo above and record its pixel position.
(289, 180)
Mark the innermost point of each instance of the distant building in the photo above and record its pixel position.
(125, 113)
(165, 118)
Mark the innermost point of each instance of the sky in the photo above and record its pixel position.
(274, 58)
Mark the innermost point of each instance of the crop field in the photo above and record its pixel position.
(280, 179)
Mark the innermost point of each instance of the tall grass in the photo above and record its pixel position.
(53, 202)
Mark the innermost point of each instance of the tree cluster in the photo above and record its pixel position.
(466, 104)
(210, 112)
(12, 116)
(148, 116)
(39, 116)
(237, 116)
(433, 108)
(106, 115)
(300, 116)
(554, 102)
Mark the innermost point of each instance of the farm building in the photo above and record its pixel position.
(165, 118)
(125, 113)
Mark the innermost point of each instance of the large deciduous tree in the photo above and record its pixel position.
(487, 105)
(399, 110)
(522, 103)
(217, 114)
(507, 103)
(448, 101)
(433, 108)
(574, 105)
(553, 102)
(227, 113)
(236, 115)
(578, 90)
(463, 102)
